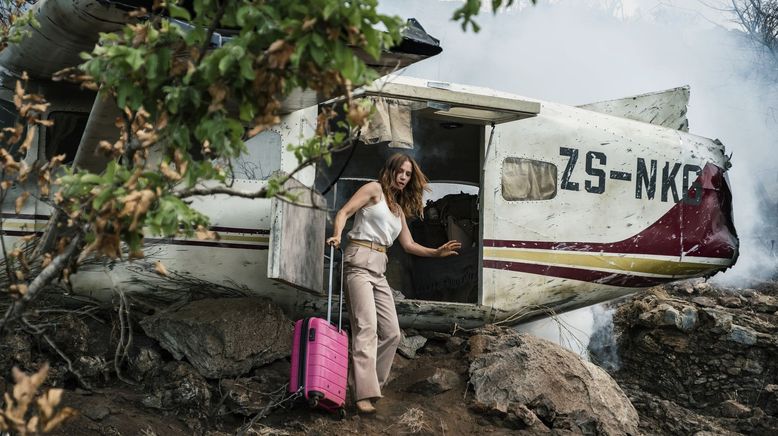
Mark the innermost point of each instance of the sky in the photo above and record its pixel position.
(581, 51)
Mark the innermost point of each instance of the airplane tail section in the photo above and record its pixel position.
(663, 108)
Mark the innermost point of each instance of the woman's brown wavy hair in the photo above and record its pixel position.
(410, 198)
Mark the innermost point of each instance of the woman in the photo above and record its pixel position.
(381, 208)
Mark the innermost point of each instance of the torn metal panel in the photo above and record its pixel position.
(663, 108)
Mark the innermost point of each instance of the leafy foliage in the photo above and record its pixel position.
(15, 17)
(188, 105)
(187, 101)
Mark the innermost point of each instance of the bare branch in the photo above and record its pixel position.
(52, 271)
(39, 332)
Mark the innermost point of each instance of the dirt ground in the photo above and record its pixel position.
(118, 411)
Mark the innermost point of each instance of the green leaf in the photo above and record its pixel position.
(135, 59)
(179, 12)
(224, 64)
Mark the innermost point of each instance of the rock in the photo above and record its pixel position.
(410, 345)
(434, 347)
(244, 396)
(668, 315)
(704, 301)
(179, 386)
(441, 380)
(527, 419)
(733, 409)
(764, 303)
(71, 335)
(16, 347)
(97, 412)
(454, 344)
(248, 395)
(93, 366)
(662, 315)
(702, 287)
(732, 301)
(742, 335)
(145, 362)
(722, 320)
(522, 369)
(478, 344)
(224, 337)
(688, 320)
(687, 288)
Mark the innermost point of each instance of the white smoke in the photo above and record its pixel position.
(575, 52)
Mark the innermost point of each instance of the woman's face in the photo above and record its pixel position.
(402, 176)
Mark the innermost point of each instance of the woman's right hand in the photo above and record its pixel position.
(334, 241)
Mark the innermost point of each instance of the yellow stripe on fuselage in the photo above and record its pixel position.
(601, 261)
(25, 225)
(260, 239)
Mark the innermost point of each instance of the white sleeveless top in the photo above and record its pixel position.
(376, 223)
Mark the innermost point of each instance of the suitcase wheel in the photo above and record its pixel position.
(313, 400)
(342, 413)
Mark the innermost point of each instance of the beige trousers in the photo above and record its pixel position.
(375, 331)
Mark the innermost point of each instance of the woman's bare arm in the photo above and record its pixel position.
(411, 247)
(368, 194)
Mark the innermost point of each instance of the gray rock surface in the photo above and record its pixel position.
(733, 409)
(409, 345)
(718, 376)
(512, 369)
(441, 380)
(223, 337)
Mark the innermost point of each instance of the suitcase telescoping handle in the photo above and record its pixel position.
(329, 294)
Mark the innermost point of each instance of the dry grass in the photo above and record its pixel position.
(413, 420)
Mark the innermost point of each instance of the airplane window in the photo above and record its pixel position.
(7, 114)
(262, 158)
(65, 135)
(527, 179)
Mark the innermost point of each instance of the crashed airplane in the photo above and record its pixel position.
(557, 207)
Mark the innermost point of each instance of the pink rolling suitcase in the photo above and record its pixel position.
(319, 368)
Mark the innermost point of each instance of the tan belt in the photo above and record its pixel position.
(370, 244)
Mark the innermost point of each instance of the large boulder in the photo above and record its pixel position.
(223, 337)
(512, 372)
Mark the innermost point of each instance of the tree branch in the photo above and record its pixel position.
(211, 30)
(193, 192)
(45, 277)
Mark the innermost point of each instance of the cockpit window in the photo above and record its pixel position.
(65, 135)
(528, 180)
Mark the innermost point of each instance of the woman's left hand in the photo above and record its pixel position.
(448, 248)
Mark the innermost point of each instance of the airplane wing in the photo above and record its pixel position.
(662, 108)
(68, 28)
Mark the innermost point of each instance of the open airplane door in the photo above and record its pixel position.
(448, 103)
(297, 237)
